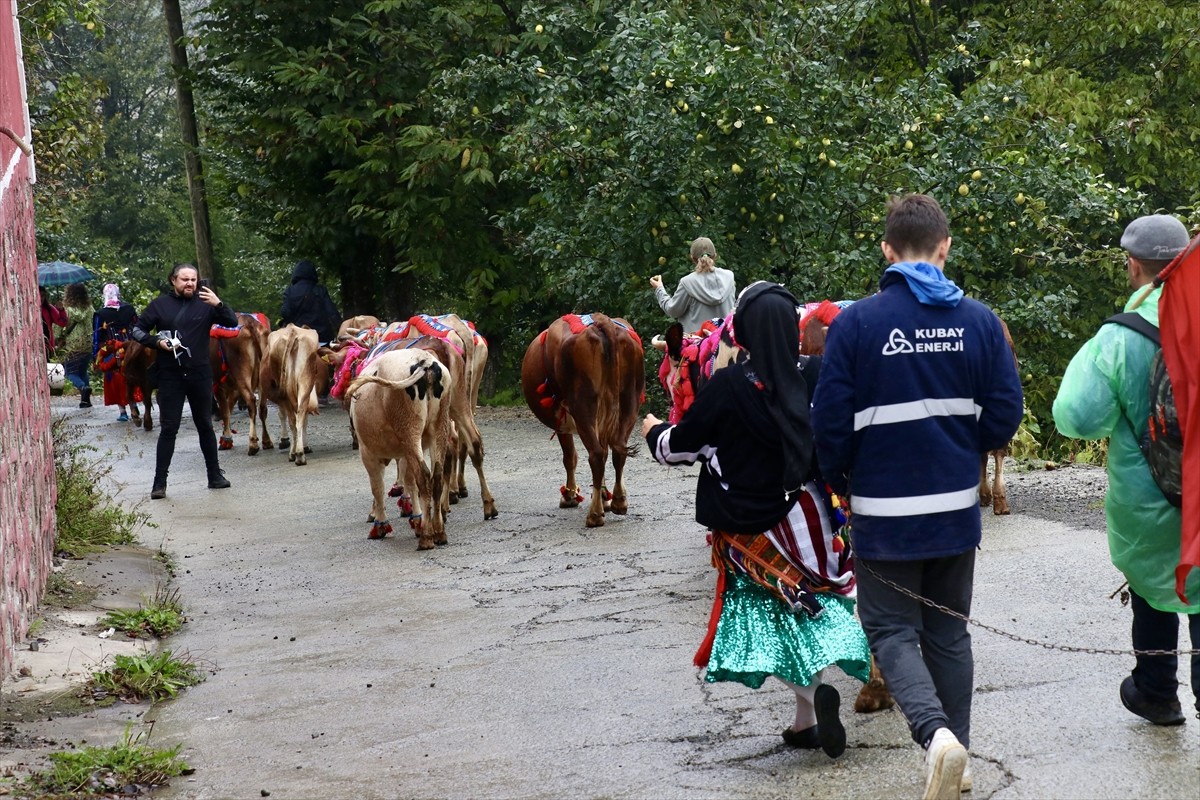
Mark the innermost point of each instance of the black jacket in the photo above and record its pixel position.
(730, 430)
(307, 302)
(192, 318)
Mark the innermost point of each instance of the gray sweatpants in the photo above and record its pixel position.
(924, 654)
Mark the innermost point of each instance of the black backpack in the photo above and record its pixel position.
(1162, 443)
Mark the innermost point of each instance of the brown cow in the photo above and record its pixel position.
(399, 403)
(236, 364)
(136, 368)
(586, 376)
(291, 376)
(995, 493)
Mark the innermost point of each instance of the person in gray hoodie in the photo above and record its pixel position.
(706, 293)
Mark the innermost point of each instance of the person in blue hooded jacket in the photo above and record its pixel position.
(917, 382)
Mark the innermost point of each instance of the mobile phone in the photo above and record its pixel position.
(203, 284)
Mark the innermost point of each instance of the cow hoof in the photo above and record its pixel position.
(568, 502)
(225, 443)
(462, 492)
(620, 506)
(441, 540)
(985, 500)
(268, 446)
(291, 456)
(490, 511)
(252, 451)
(301, 460)
(1000, 507)
(307, 449)
(379, 530)
(425, 544)
(595, 521)
(453, 500)
(285, 444)
(873, 697)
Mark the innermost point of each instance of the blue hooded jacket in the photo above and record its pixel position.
(916, 384)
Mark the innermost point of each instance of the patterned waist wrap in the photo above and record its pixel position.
(800, 556)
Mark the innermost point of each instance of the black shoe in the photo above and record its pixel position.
(217, 480)
(85, 398)
(158, 492)
(829, 727)
(806, 739)
(1160, 712)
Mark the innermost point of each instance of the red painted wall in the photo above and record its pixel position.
(27, 487)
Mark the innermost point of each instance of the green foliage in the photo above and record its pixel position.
(150, 676)
(105, 771)
(160, 617)
(87, 518)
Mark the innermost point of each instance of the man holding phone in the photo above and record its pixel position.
(177, 325)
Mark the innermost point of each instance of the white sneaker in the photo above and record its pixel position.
(967, 784)
(945, 762)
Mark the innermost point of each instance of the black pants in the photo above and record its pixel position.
(174, 386)
(923, 653)
(1155, 676)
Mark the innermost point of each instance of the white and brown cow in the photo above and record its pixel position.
(291, 376)
(400, 405)
(585, 376)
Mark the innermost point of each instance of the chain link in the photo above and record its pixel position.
(1066, 648)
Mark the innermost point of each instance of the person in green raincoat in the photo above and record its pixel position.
(1105, 392)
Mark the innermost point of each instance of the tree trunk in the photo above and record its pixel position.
(205, 262)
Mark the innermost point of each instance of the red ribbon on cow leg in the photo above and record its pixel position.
(226, 443)
(396, 491)
(379, 530)
(569, 494)
(605, 494)
(405, 505)
(416, 522)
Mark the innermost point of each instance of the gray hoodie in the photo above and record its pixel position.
(701, 296)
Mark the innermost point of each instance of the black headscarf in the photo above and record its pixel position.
(766, 326)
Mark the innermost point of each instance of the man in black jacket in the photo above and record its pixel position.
(182, 319)
(307, 303)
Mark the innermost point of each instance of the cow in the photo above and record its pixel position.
(461, 335)
(585, 376)
(400, 404)
(352, 327)
(136, 368)
(291, 376)
(236, 357)
(994, 493)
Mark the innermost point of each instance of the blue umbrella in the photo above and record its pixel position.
(60, 273)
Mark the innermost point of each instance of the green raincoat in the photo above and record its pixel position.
(1103, 393)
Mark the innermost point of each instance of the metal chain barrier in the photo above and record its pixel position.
(1101, 651)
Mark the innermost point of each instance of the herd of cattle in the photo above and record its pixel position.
(411, 389)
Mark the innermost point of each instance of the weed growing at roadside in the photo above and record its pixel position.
(87, 518)
(150, 676)
(160, 617)
(105, 771)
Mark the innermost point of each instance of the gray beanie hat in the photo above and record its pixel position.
(1158, 237)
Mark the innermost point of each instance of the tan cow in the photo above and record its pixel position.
(400, 405)
(135, 367)
(237, 364)
(291, 376)
(474, 351)
(354, 326)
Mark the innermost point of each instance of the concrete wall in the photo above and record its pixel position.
(27, 486)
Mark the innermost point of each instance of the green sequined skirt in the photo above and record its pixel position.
(758, 635)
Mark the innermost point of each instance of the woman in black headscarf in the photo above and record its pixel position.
(785, 581)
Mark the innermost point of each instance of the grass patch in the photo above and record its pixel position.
(106, 771)
(151, 676)
(504, 398)
(88, 520)
(160, 617)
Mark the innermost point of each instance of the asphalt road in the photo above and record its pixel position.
(531, 657)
